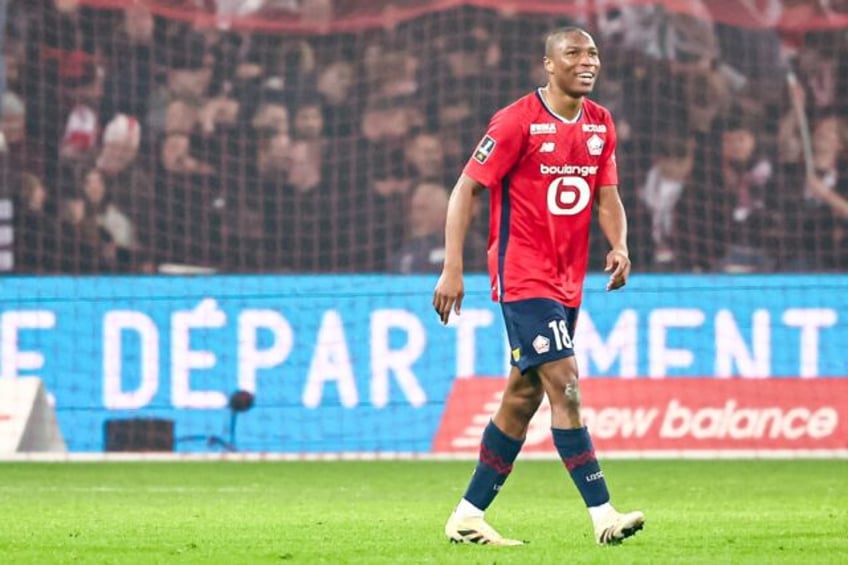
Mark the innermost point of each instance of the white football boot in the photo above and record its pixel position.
(614, 527)
(474, 529)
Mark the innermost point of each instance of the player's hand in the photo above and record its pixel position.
(448, 294)
(618, 265)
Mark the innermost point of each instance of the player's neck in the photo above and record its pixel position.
(561, 103)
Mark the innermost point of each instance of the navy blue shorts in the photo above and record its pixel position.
(540, 330)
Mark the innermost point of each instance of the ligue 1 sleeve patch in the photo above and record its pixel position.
(487, 145)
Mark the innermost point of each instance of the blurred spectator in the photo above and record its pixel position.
(424, 248)
(83, 124)
(83, 247)
(460, 106)
(185, 232)
(273, 117)
(747, 178)
(658, 33)
(35, 245)
(59, 49)
(817, 219)
(707, 95)
(121, 140)
(308, 122)
(307, 151)
(341, 104)
(424, 157)
(187, 77)
(129, 68)
(299, 198)
(662, 189)
(817, 66)
(132, 189)
(99, 205)
(13, 129)
(393, 109)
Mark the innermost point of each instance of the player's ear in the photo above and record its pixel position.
(549, 64)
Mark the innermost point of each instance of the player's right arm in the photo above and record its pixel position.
(450, 289)
(494, 157)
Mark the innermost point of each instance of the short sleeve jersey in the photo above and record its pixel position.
(542, 172)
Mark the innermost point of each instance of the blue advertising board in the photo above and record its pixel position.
(361, 362)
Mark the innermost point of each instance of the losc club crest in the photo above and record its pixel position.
(541, 344)
(595, 144)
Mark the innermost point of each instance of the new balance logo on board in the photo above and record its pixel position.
(670, 415)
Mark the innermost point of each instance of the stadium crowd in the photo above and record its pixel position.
(134, 141)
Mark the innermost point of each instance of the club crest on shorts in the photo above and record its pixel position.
(541, 344)
(487, 145)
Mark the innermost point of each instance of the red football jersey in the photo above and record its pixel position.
(542, 172)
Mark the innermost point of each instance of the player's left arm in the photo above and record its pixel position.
(613, 221)
(611, 214)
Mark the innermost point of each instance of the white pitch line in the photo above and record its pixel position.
(125, 489)
(667, 454)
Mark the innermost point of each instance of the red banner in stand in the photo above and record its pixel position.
(357, 15)
(678, 414)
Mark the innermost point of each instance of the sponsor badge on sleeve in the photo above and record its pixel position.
(487, 145)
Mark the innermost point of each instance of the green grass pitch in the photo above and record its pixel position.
(393, 512)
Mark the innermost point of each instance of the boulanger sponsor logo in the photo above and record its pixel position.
(580, 170)
(595, 128)
(487, 145)
(536, 129)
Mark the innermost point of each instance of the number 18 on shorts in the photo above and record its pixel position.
(539, 330)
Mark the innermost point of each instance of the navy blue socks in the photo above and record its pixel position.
(497, 454)
(577, 454)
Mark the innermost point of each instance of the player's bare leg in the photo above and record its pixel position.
(501, 443)
(521, 398)
(571, 438)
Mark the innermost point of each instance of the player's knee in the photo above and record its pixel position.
(572, 392)
(525, 402)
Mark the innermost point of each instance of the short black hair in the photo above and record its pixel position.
(554, 36)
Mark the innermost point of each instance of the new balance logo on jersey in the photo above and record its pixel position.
(547, 147)
(536, 129)
(484, 149)
(583, 171)
(595, 128)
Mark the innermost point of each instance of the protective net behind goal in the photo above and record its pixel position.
(322, 137)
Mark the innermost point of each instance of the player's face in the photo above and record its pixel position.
(573, 64)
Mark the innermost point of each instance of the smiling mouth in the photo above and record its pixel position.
(586, 76)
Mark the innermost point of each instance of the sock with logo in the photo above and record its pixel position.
(577, 454)
(497, 454)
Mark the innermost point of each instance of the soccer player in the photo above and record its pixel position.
(546, 159)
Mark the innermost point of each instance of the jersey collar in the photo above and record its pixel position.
(554, 114)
